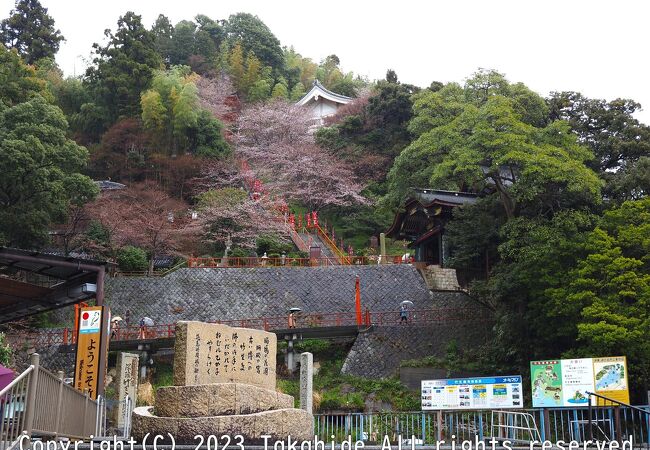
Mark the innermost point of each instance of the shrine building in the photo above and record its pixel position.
(422, 222)
(322, 103)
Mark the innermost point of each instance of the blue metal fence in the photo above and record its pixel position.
(518, 425)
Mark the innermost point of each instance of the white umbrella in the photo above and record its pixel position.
(147, 321)
(117, 319)
(407, 303)
(293, 310)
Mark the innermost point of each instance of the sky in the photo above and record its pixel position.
(599, 48)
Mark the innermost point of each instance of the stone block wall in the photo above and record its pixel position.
(439, 278)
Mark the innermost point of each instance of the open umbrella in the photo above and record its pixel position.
(294, 310)
(6, 377)
(147, 321)
(406, 303)
(117, 319)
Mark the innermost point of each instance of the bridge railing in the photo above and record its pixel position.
(255, 261)
(64, 336)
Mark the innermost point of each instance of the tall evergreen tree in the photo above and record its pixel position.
(30, 30)
(124, 67)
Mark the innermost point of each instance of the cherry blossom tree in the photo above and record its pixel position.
(230, 214)
(217, 95)
(143, 215)
(274, 139)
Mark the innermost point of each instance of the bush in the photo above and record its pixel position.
(268, 243)
(132, 259)
(5, 351)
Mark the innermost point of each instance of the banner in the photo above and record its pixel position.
(565, 382)
(92, 349)
(472, 393)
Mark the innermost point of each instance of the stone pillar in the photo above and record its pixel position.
(126, 382)
(382, 247)
(291, 360)
(306, 382)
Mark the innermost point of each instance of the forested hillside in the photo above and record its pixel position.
(188, 116)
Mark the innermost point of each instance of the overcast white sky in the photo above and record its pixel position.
(599, 48)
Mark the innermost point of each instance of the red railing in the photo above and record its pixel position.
(64, 336)
(256, 261)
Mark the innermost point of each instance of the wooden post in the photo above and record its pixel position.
(59, 402)
(30, 402)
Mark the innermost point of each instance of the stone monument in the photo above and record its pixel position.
(224, 384)
(126, 383)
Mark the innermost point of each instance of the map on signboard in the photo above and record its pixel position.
(567, 382)
(90, 321)
(611, 376)
(546, 379)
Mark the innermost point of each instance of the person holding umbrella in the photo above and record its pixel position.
(144, 323)
(403, 312)
(292, 317)
(115, 326)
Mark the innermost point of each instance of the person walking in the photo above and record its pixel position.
(403, 315)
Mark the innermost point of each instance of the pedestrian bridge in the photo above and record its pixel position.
(312, 325)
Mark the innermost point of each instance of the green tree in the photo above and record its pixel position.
(252, 74)
(18, 81)
(30, 30)
(487, 145)
(163, 31)
(619, 141)
(280, 89)
(254, 36)
(183, 42)
(207, 137)
(607, 294)
(40, 168)
(297, 92)
(259, 91)
(123, 68)
(132, 259)
(236, 66)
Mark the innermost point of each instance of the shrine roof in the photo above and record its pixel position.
(318, 90)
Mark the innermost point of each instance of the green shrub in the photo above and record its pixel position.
(269, 243)
(5, 351)
(132, 259)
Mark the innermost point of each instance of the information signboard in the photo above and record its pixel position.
(472, 393)
(565, 382)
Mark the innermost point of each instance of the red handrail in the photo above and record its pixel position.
(61, 336)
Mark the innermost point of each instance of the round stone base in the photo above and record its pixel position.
(279, 424)
(218, 399)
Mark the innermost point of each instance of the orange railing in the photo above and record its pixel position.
(64, 336)
(340, 254)
(256, 261)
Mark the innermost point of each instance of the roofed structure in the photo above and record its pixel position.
(33, 282)
(423, 219)
(322, 102)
